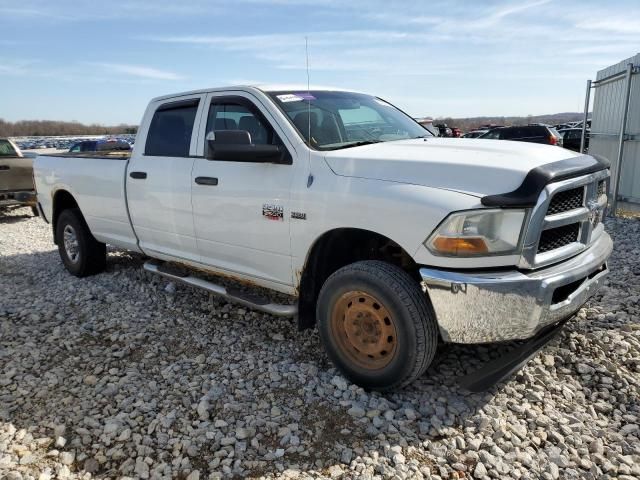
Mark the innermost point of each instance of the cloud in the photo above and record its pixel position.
(617, 25)
(30, 12)
(70, 11)
(12, 70)
(619, 48)
(138, 71)
(17, 67)
(507, 10)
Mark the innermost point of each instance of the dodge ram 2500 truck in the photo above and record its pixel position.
(389, 240)
(16, 177)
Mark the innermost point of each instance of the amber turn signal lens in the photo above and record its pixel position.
(453, 245)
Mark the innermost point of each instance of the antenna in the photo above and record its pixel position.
(306, 49)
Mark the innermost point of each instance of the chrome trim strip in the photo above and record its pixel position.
(494, 306)
(565, 218)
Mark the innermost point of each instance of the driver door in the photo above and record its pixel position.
(241, 209)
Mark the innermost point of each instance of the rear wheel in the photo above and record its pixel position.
(81, 253)
(377, 325)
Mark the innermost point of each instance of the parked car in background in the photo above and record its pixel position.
(526, 133)
(427, 123)
(475, 133)
(100, 146)
(571, 138)
(444, 130)
(16, 177)
(389, 241)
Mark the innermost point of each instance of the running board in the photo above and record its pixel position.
(499, 369)
(179, 274)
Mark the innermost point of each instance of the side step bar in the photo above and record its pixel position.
(255, 302)
(501, 368)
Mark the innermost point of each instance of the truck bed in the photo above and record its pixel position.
(97, 182)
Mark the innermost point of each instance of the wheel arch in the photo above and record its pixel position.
(339, 247)
(62, 200)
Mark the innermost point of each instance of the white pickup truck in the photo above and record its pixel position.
(388, 240)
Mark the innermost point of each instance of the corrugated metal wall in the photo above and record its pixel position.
(608, 109)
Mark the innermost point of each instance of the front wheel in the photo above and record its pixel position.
(80, 252)
(377, 325)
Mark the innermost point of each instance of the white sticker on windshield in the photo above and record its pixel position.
(290, 97)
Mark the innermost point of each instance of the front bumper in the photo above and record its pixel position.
(482, 307)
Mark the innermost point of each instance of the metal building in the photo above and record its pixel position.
(615, 127)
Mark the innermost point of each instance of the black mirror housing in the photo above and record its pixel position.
(236, 146)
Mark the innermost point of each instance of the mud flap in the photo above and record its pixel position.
(499, 369)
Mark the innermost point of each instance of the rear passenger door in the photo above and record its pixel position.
(159, 179)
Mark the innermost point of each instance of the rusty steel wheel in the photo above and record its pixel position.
(376, 325)
(364, 330)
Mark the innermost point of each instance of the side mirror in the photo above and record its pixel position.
(236, 146)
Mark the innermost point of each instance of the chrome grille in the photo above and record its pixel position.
(558, 237)
(566, 219)
(566, 200)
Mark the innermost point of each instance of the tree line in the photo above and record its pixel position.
(45, 128)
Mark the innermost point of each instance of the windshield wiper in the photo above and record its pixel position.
(359, 143)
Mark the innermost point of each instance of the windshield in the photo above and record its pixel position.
(344, 119)
(6, 149)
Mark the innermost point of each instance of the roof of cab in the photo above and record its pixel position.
(249, 88)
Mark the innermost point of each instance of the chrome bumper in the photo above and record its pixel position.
(483, 307)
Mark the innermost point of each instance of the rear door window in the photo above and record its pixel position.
(88, 146)
(171, 128)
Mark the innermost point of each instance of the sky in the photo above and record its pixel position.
(101, 62)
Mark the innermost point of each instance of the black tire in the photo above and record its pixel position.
(91, 255)
(35, 212)
(410, 313)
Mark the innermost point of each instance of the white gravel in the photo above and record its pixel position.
(124, 375)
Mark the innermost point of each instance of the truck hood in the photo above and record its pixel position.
(473, 166)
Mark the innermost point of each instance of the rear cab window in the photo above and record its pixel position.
(171, 129)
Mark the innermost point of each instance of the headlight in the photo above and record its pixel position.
(478, 233)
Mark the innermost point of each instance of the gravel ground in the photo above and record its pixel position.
(126, 375)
